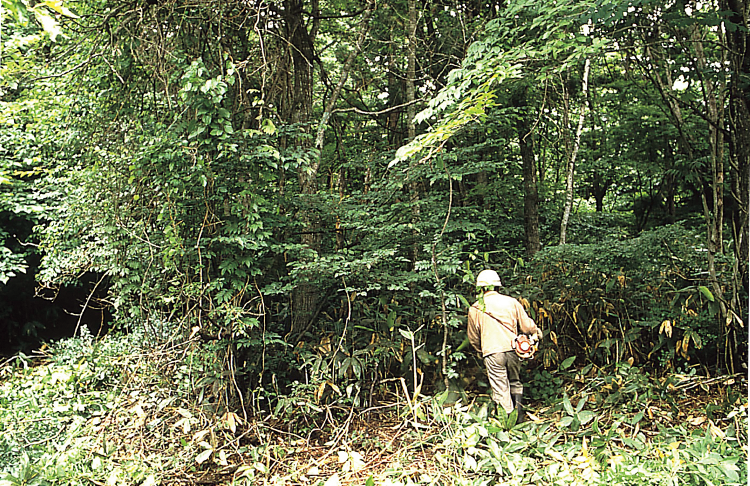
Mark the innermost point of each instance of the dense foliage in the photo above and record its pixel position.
(278, 209)
(96, 411)
(214, 184)
(295, 197)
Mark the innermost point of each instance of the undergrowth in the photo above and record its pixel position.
(109, 412)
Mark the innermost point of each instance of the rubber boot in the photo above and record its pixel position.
(518, 403)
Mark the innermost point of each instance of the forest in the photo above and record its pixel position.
(239, 240)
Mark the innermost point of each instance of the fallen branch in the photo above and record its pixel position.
(699, 381)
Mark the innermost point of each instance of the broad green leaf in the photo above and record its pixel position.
(57, 6)
(464, 301)
(585, 416)
(407, 334)
(268, 127)
(568, 406)
(637, 418)
(730, 471)
(566, 421)
(469, 462)
(48, 23)
(567, 363)
(581, 404)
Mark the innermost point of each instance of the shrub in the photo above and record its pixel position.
(644, 299)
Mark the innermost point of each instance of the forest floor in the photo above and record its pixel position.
(95, 413)
(386, 447)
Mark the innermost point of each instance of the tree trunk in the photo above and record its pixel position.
(712, 194)
(572, 152)
(530, 181)
(305, 298)
(530, 192)
(320, 136)
(599, 188)
(713, 208)
(411, 70)
(411, 74)
(739, 157)
(714, 102)
(668, 187)
(296, 108)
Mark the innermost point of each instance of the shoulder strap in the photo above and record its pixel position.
(514, 331)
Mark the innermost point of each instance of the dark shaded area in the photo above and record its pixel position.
(30, 317)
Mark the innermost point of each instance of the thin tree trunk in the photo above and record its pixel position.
(714, 100)
(411, 74)
(739, 157)
(602, 179)
(319, 138)
(573, 152)
(305, 299)
(713, 198)
(532, 240)
(411, 70)
(530, 193)
(713, 213)
(669, 184)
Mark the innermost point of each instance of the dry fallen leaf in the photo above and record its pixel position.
(333, 480)
(696, 420)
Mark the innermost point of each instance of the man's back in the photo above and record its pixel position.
(494, 322)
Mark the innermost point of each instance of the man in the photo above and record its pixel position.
(494, 322)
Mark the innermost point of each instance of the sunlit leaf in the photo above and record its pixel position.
(568, 406)
(706, 293)
(203, 456)
(48, 23)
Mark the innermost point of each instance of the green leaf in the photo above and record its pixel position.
(638, 417)
(197, 132)
(581, 404)
(57, 6)
(730, 471)
(49, 24)
(567, 363)
(568, 406)
(425, 357)
(268, 127)
(464, 344)
(706, 293)
(469, 462)
(391, 320)
(586, 416)
(464, 301)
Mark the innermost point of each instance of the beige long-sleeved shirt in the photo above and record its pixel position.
(487, 335)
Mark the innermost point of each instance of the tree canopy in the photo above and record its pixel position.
(325, 179)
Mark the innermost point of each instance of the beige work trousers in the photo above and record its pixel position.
(503, 372)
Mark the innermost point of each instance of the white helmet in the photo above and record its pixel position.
(488, 278)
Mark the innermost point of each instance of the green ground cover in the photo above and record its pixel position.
(106, 412)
